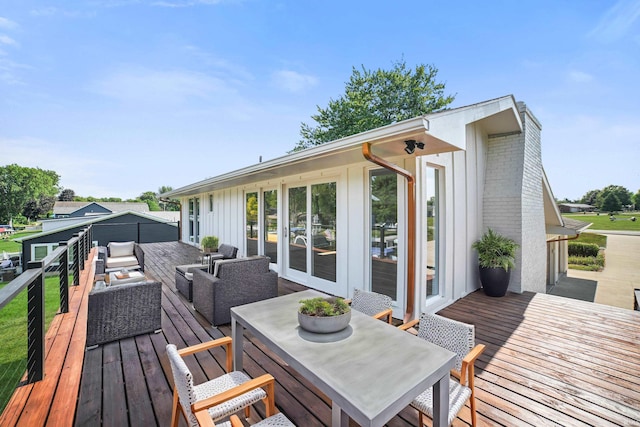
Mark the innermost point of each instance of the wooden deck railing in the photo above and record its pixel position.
(69, 257)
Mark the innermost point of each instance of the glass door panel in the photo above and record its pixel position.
(433, 229)
(383, 190)
(252, 223)
(298, 228)
(270, 228)
(323, 230)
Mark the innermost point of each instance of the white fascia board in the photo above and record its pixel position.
(342, 150)
(501, 117)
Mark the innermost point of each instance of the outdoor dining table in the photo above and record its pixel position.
(370, 370)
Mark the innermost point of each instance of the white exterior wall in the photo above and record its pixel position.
(495, 182)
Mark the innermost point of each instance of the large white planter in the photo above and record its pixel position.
(324, 325)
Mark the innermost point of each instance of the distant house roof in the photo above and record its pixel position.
(577, 205)
(67, 208)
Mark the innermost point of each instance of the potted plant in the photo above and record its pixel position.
(496, 258)
(209, 244)
(324, 315)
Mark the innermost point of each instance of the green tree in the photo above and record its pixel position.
(167, 204)
(20, 184)
(376, 98)
(623, 195)
(590, 198)
(149, 197)
(67, 195)
(610, 203)
(636, 200)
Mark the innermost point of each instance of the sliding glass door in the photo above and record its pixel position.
(312, 233)
(383, 236)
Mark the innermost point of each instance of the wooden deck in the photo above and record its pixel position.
(549, 361)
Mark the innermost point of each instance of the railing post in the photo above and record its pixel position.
(35, 325)
(63, 275)
(76, 262)
(81, 246)
(87, 244)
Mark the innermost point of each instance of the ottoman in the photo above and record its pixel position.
(184, 278)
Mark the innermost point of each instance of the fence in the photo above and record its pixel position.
(64, 263)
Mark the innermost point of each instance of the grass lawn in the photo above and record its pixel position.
(7, 244)
(598, 239)
(13, 336)
(602, 221)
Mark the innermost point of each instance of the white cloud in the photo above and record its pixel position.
(293, 81)
(617, 21)
(6, 40)
(7, 24)
(579, 77)
(75, 170)
(159, 87)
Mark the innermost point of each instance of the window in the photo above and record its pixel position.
(251, 221)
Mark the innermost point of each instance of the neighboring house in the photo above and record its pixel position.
(117, 227)
(575, 207)
(84, 209)
(480, 166)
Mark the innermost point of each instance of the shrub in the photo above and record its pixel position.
(583, 249)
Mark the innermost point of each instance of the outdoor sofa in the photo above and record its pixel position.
(233, 282)
(119, 255)
(121, 311)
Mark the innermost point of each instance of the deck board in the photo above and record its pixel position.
(549, 361)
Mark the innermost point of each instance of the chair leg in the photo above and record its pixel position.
(247, 412)
(472, 401)
(174, 411)
(420, 419)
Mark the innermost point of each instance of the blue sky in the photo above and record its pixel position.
(121, 97)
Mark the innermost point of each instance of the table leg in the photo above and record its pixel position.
(338, 416)
(237, 337)
(441, 402)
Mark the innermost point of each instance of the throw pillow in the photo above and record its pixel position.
(118, 249)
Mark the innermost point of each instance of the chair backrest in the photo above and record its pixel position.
(227, 251)
(453, 335)
(183, 382)
(370, 303)
(257, 264)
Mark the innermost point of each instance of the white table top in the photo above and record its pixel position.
(372, 370)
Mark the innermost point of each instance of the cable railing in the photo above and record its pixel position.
(63, 265)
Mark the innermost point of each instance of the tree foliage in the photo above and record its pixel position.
(167, 205)
(636, 199)
(590, 197)
(19, 184)
(376, 98)
(67, 195)
(602, 198)
(623, 195)
(610, 203)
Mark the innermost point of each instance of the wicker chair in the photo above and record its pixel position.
(372, 304)
(267, 382)
(233, 282)
(122, 311)
(459, 338)
(212, 397)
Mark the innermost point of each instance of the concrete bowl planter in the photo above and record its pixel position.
(324, 315)
(324, 324)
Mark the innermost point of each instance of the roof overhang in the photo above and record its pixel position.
(555, 223)
(440, 132)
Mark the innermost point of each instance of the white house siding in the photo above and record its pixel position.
(496, 181)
